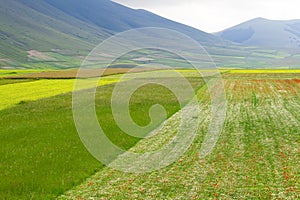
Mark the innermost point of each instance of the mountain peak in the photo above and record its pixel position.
(265, 33)
(258, 19)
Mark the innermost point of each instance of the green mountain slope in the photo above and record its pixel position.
(34, 25)
(61, 33)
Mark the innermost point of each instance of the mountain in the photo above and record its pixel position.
(265, 33)
(116, 17)
(41, 33)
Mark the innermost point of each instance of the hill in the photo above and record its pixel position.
(43, 33)
(265, 33)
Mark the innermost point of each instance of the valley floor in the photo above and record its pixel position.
(256, 157)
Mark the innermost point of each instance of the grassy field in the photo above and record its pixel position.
(41, 155)
(26, 91)
(73, 73)
(263, 71)
(4, 73)
(11, 81)
(256, 157)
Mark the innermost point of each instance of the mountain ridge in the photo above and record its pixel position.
(73, 27)
(264, 32)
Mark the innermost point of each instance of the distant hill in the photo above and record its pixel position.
(52, 29)
(60, 33)
(265, 33)
(116, 17)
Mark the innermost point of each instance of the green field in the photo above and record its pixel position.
(67, 133)
(33, 90)
(41, 153)
(4, 73)
(256, 157)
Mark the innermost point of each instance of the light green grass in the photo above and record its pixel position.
(14, 81)
(41, 155)
(13, 94)
(4, 73)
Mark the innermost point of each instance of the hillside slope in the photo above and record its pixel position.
(70, 27)
(265, 33)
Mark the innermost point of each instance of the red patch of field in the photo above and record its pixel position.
(296, 80)
(263, 85)
(260, 76)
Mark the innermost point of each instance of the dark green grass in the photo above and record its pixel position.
(41, 155)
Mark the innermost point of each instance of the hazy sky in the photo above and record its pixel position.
(216, 15)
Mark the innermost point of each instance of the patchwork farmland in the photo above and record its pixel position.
(256, 157)
(106, 100)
